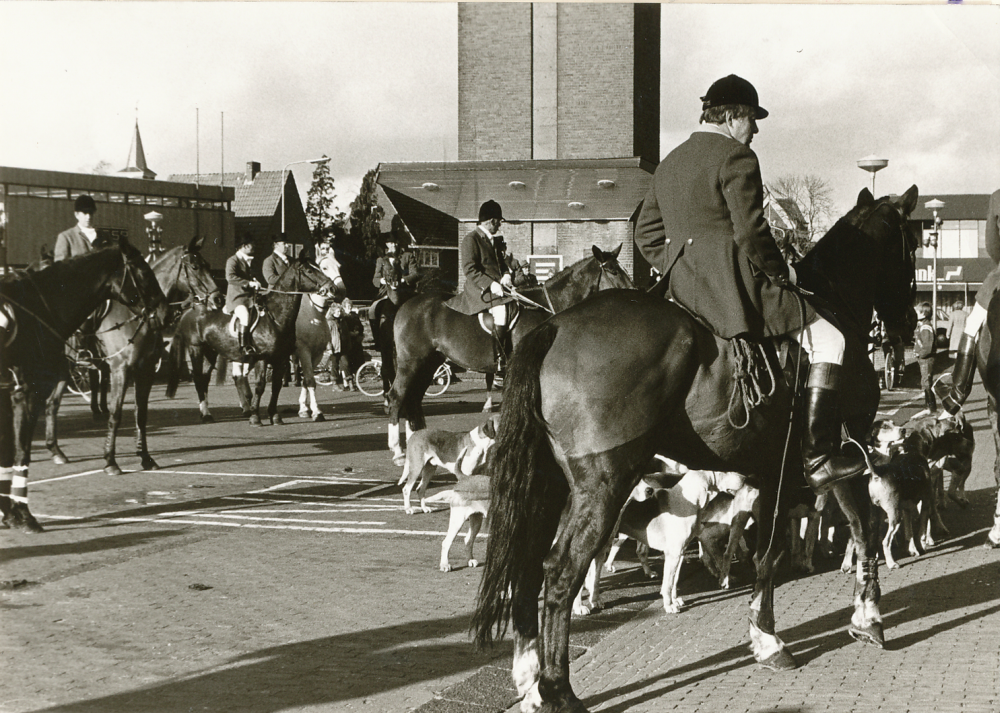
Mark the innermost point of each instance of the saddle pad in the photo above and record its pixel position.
(486, 320)
(254, 319)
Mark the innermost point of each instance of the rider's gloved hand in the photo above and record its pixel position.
(496, 289)
(506, 281)
(254, 284)
(381, 281)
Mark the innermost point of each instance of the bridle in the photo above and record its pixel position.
(192, 279)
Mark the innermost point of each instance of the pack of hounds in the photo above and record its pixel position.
(672, 507)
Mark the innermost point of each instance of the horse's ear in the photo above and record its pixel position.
(196, 242)
(909, 200)
(598, 253)
(614, 253)
(865, 197)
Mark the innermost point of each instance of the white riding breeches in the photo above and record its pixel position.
(975, 320)
(499, 315)
(823, 341)
(242, 314)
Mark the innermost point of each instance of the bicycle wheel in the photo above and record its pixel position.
(369, 378)
(441, 381)
(891, 375)
(78, 383)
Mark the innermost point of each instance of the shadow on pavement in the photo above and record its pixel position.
(99, 544)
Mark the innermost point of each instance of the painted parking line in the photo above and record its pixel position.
(260, 526)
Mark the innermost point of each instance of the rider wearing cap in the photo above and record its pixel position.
(486, 276)
(82, 237)
(702, 226)
(240, 292)
(276, 263)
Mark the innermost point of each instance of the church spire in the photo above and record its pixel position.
(139, 169)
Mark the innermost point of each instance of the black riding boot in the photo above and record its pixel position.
(961, 375)
(246, 343)
(821, 442)
(930, 403)
(500, 348)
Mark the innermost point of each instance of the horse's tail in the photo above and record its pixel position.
(175, 362)
(221, 362)
(527, 494)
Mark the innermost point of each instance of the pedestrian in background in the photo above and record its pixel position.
(956, 326)
(926, 348)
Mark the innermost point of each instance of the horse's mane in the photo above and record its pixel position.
(61, 272)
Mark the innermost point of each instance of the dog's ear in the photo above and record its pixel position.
(490, 430)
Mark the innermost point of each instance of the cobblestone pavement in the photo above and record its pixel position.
(272, 569)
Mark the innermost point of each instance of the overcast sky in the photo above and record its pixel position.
(366, 83)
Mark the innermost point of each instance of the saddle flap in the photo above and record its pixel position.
(486, 319)
(254, 319)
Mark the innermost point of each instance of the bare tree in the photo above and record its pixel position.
(813, 197)
(103, 168)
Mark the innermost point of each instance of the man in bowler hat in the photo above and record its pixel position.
(82, 237)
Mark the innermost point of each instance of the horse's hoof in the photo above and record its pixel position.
(276, 420)
(207, 418)
(20, 518)
(780, 660)
(255, 420)
(150, 465)
(112, 469)
(59, 458)
(319, 417)
(871, 634)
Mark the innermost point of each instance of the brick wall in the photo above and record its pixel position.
(494, 81)
(577, 239)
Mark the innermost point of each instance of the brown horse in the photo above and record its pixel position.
(204, 334)
(427, 332)
(595, 392)
(988, 361)
(131, 349)
(49, 306)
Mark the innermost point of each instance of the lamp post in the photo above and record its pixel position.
(873, 164)
(284, 174)
(154, 233)
(931, 241)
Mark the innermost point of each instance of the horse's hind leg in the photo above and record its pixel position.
(201, 379)
(768, 649)
(585, 526)
(277, 381)
(52, 404)
(25, 405)
(866, 622)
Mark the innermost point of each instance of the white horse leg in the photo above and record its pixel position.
(303, 406)
(398, 456)
(525, 673)
(203, 408)
(314, 405)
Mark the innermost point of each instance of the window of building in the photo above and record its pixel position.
(59, 193)
(170, 202)
(428, 258)
(100, 196)
(116, 197)
(39, 191)
(133, 199)
(154, 200)
(15, 190)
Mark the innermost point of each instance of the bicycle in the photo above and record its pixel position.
(369, 379)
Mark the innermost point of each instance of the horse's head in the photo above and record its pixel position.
(587, 277)
(136, 286)
(183, 272)
(894, 253)
(303, 275)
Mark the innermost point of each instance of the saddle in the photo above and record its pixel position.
(486, 318)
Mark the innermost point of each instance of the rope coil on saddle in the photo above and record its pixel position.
(750, 365)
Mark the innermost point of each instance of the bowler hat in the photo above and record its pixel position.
(84, 204)
(733, 90)
(489, 210)
(245, 239)
(279, 238)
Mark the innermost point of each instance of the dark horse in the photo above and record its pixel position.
(595, 392)
(48, 306)
(427, 332)
(988, 359)
(131, 349)
(205, 334)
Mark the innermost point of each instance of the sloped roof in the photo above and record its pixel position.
(140, 165)
(957, 206)
(527, 190)
(257, 199)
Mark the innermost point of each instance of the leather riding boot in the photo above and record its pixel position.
(821, 442)
(246, 344)
(930, 402)
(961, 375)
(500, 348)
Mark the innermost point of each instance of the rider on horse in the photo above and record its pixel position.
(486, 271)
(240, 292)
(702, 226)
(396, 275)
(965, 359)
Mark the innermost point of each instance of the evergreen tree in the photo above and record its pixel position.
(320, 209)
(366, 215)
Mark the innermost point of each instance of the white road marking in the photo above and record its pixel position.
(66, 477)
(286, 519)
(893, 412)
(344, 530)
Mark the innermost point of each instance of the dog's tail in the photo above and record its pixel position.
(406, 473)
(448, 497)
(527, 494)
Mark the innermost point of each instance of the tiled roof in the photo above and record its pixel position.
(957, 206)
(259, 199)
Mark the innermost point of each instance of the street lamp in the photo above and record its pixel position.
(284, 174)
(931, 241)
(873, 164)
(154, 233)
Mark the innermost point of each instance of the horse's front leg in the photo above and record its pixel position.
(52, 404)
(278, 370)
(488, 406)
(241, 379)
(309, 389)
(768, 649)
(119, 383)
(201, 379)
(143, 386)
(24, 406)
(866, 622)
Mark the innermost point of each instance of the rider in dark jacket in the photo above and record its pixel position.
(702, 226)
